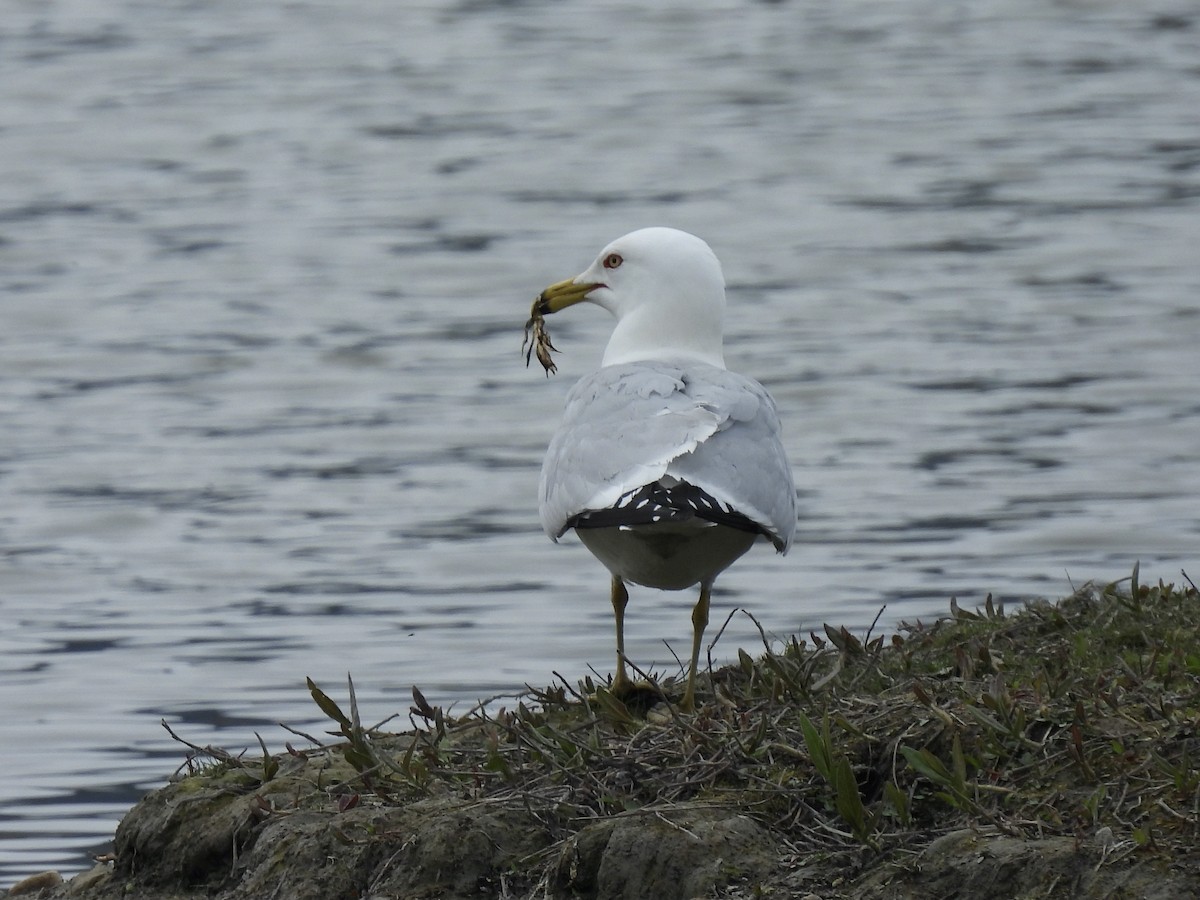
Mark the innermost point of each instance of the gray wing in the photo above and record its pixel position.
(628, 426)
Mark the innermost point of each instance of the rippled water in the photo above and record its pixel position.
(264, 269)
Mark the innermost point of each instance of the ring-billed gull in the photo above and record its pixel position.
(667, 465)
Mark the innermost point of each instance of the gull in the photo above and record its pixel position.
(666, 465)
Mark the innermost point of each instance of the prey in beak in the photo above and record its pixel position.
(554, 298)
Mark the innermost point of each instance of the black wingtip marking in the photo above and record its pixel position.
(654, 503)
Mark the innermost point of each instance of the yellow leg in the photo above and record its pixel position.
(699, 623)
(620, 597)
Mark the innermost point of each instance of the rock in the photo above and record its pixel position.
(669, 856)
(92, 878)
(967, 863)
(35, 883)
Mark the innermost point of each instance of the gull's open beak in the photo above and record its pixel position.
(561, 295)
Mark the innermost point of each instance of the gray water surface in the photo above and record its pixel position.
(263, 271)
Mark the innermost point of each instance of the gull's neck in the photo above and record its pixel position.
(660, 333)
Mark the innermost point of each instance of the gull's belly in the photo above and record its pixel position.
(668, 555)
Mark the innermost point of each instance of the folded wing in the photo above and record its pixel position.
(659, 425)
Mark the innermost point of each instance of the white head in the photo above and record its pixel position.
(666, 289)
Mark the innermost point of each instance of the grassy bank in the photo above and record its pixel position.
(1046, 751)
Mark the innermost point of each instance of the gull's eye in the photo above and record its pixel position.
(613, 260)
